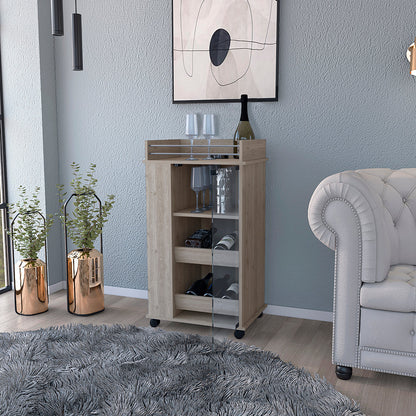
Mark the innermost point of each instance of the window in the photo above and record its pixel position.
(5, 281)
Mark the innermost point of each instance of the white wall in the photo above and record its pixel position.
(22, 97)
(30, 109)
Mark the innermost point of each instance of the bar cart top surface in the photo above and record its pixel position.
(178, 151)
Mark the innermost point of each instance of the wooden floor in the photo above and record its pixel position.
(305, 343)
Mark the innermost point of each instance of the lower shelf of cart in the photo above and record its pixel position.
(205, 319)
(206, 304)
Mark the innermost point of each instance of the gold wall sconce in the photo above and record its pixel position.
(411, 57)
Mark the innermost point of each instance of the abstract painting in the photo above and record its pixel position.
(225, 48)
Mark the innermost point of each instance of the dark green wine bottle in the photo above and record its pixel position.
(244, 130)
(199, 287)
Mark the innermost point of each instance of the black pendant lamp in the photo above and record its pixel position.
(78, 64)
(57, 14)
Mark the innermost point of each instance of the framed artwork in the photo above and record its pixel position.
(222, 49)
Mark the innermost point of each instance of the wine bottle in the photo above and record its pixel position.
(221, 285)
(231, 292)
(244, 130)
(208, 292)
(199, 239)
(218, 286)
(227, 242)
(199, 287)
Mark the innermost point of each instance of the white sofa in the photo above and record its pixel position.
(369, 218)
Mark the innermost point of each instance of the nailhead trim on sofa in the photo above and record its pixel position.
(389, 352)
(357, 328)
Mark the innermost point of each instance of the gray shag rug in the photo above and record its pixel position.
(120, 371)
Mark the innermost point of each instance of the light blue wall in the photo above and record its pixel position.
(346, 101)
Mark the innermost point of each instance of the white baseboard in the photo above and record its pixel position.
(299, 313)
(108, 290)
(57, 287)
(270, 310)
(128, 293)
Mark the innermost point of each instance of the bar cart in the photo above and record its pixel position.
(172, 267)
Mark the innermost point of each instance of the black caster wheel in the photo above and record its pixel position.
(239, 334)
(343, 373)
(260, 315)
(154, 323)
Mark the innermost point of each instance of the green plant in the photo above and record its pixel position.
(29, 230)
(86, 222)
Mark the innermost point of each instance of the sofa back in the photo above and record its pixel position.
(397, 192)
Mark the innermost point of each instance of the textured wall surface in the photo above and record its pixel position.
(50, 141)
(30, 109)
(22, 98)
(346, 101)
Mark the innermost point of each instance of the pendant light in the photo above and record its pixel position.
(57, 15)
(77, 40)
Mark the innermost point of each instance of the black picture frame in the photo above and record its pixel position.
(176, 100)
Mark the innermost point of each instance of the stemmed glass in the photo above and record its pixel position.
(211, 179)
(205, 180)
(197, 185)
(191, 130)
(208, 130)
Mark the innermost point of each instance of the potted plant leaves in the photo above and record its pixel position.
(83, 227)
(29, 230)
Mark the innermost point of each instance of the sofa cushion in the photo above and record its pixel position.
(397, 293)
(387, 330)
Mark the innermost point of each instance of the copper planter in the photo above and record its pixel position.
(31, 288)
(85, 282)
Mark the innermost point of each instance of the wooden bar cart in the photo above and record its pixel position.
(172, 267)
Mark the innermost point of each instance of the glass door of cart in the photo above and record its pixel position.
(225, 251)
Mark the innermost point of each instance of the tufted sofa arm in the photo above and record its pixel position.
(369, 218)
(345, 213)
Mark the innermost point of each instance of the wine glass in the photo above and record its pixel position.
(191, 130)
(197, 184)
(211, 179)
(205, 180)
(208, 130)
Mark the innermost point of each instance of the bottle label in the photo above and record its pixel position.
(226, 242)
(233, 288)
(231, 292)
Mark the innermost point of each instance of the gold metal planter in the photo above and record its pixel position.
(31, 288)
(85, 282)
